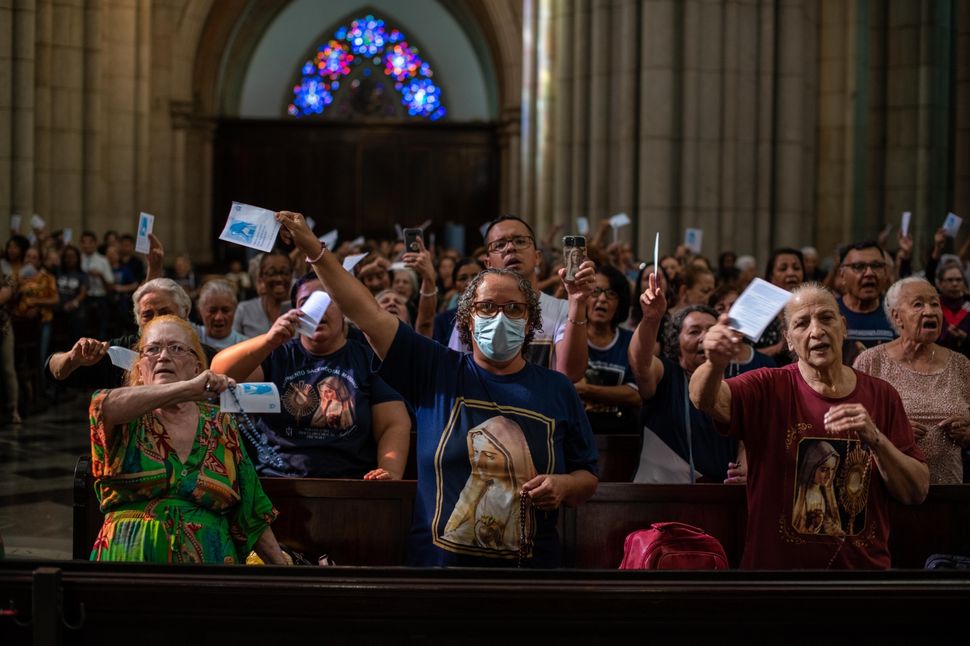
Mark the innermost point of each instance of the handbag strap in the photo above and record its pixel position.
(687, 426)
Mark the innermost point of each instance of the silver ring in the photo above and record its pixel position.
(207, 387)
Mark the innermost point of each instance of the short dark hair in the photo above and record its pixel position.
(505, 218)
(87, 233)
(620, 285)
(127, 237)
(461, 264)
(302, 280)
(858, 246)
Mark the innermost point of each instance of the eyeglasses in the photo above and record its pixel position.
(154, 350)
(513, 310)
(860, 267)
(519, 242)
(609, 293)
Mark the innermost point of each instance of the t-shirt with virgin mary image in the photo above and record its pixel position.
(481, 436)
(324, 427)
(815, 497)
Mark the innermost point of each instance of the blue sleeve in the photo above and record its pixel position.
(411, 365)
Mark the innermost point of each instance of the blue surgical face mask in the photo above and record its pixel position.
(499, 338)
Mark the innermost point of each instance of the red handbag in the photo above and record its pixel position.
(672, 546)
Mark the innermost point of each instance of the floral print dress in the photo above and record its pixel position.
(210, 509)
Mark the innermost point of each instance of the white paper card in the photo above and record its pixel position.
(122, 357)
(424, 225)
(311, 223)
(396, 266)
(330, 239)
(251, 226)
(904, 223)
(256, 397)
(656, 253)
(312, 312)
(357, 242)
(36, 221)
(146, 223)
(952, 224)
(582, 225)
(659, 464)
(483, 229)
(15, 222)
(619, 220)
(693, 238)
(352, 260)
(67, 235)
(399, 232)
(756, 307)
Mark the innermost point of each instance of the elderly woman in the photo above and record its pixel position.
(217, 307)
(545, 436)
(339, 420)
(174, 482)
(154, 298)
(934, 382)
(679, 442)
(956, 307)
(785, 270)
(783, 415)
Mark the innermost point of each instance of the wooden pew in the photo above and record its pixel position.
(367, 523)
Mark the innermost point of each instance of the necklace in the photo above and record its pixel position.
(912, 361)
(265, 452)
(524, 542)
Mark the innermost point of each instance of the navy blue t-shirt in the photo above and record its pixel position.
(610, 366)
(324, 427)
(482, 436)
(869, 329)
(444, 323)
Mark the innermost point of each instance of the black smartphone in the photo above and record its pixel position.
(411, 240)
(574, 254)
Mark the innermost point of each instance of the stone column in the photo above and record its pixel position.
(22, 126)
(6, 111)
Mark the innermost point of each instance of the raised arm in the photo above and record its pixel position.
(647, 369)
(243, 361)
(572, 351)
(84, 352)
(421, 263)
(708, 392)
(349, 293)
(122, 405)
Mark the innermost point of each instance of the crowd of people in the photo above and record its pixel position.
(506, 368)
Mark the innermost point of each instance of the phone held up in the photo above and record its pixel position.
(574, 253)
(411, 240)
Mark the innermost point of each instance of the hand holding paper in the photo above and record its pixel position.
(756, 307)
(251, 226)
(256, 397)
(146, 224)
(313, 310)
(951, 225)
(123, 357)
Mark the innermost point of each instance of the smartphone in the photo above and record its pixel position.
(573, 253)
(411, 240)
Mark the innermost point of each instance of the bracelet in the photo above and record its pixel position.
(429, 294)
(323, 250)
(575, 322)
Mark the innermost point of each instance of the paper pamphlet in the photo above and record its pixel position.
(313, 310)
(582, 225)
(351, 261)
(330, 239)
(951, 225)
(256, 397)
(904, 223)
(756, 307)
(251, 226)
(122, 357)
(693, 239)
(146, 223)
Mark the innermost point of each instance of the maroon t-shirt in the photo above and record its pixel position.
(815, 499)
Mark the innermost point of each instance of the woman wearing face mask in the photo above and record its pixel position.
(454, 394)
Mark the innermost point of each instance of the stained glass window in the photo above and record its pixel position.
(349, 60)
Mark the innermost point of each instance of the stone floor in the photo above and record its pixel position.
(37, 461)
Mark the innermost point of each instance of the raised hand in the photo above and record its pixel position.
(295, 230)
(581, 288)
(721, 343)
(653, 302)
(283, 328)
(420, 261)
(87, 352)
(207, 386)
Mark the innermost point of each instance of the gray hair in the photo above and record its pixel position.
(811, 287)
(809, 251)
(744, 263)
(946, 266)
(218, 287)
(412, 277)
(164, 286)
(892, 296)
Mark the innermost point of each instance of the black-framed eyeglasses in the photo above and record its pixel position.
(513, 309)
(518, 242)
(611, 294)
(860, 267)
(154, 350)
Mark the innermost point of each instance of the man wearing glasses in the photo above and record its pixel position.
(864, 273)
(561, 343)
